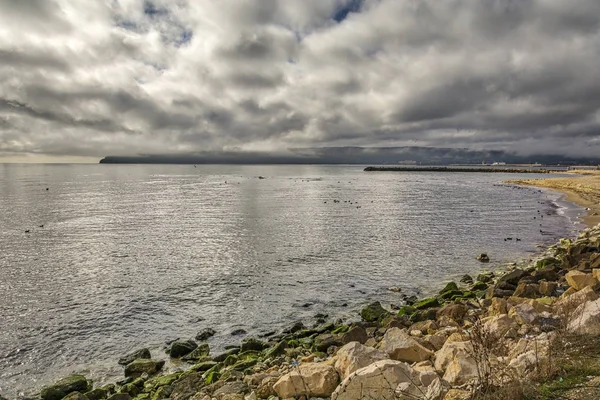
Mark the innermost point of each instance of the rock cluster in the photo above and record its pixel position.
(436, 348)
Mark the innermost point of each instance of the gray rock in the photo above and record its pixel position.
(205, 334)
(73, 383)
(180, 348)
(141, 366)
(129, 358)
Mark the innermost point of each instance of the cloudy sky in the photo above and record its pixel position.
(89, 78)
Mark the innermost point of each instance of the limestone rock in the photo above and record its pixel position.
(401, 347)
(499, 325)
(462, 369)
(498, 306)
(524, 314)
(566, 305)
(455, 311)
(73, 383)
(579, 280)
(378, 381)
(437, 390)
(354, 356)
(586, 319)
(449, 352)
(232, 388)
(318, 379)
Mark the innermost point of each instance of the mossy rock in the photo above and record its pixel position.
(143, 396)
(477, 286)
(129, 358)
(373, 312)
(547, 261)
(485, 277)
(73, 383)
(253, 344)
(450, 286)
(293, 343)
(75, 396)
(141, 366)
(164, 380)
(181, 348)
(326, 327)
(161, 393)
(97, 394)
(450, 294)
(130, 389)
(276, 350)
(306, 342)
(244, 365)
(424, 315)
(427, 303)
(204, 366)
(230, 360)
(341, 329)
(221, 357)
(211, 377)
(406, 310)
(199, 352)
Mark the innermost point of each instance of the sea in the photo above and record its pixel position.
(99, 260)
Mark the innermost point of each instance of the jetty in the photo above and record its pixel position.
(459, 169)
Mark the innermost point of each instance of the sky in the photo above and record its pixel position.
(81, 79)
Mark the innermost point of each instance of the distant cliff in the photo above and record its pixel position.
(349, 155)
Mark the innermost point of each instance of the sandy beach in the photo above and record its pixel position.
(582, 188)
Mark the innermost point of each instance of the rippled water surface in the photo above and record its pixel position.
(132, 255)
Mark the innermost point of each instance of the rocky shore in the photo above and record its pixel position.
(496, 334)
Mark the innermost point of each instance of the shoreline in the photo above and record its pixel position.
(209, 375)
(582, 188)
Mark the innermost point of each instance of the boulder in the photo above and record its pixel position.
(97, 394)
(528, 290)
(373, 312)
(326, 340)
(401, 347)
(354, 356)
(499, 325)
(187, 386)
(75, 396)
(141, 353)
(73, 383)
(231, 388)
(462, 369)
(437, 390)
(466, 279)
(265, 389)
(586, 319)
(513, 277)
(253, 344)
(566, 305)
(423, 326)
(548, 288)
(205, 334)
(498, 306)
(140, 366)
(199, 352)
(483, 257)
(355, 334)
(449, 352)
(579, 280)
(181, 348)
(313, 379)
(120, 396)
(455, 311)
(524, 313)
(379, 380)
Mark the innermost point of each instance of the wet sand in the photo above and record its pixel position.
(582, 188)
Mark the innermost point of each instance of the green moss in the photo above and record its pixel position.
(231, 359)
(373, 312)
(427, 303)
(244, 365)
(406, 310)
(478, 286)
(451, 294)
(341, 329)
(450, 286)
(211, 377)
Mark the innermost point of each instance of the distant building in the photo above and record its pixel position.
(499, 163)
(407, 162)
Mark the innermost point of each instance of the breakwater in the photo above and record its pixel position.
(454, 169)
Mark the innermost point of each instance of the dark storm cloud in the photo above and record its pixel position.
(156, 76)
